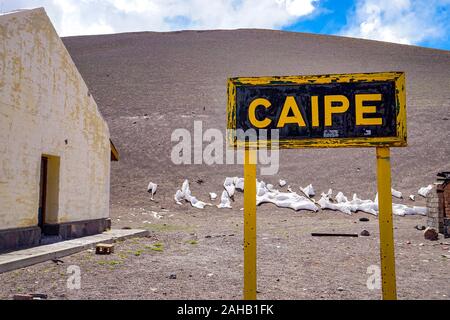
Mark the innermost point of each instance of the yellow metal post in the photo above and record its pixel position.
(385, 223)
(250, 225)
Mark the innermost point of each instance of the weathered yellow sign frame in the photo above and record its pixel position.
(400, 140)
(382, 144)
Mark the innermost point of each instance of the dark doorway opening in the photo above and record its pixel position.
(43, 192)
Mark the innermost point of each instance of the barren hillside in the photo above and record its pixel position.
(148, 84)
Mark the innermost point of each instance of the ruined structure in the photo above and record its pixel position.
(438, 205)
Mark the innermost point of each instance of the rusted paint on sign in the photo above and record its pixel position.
(348, 110)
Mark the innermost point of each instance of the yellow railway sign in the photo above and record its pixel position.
(341, 110)
(322, 111)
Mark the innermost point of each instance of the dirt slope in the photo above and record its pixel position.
(147, 84)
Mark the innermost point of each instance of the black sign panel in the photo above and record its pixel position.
(363, 109)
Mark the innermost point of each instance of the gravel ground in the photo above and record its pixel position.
(203, 250)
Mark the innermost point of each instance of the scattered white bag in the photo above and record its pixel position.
(228, 184)
(151, 188)
(283, 199)
(178, 197)
(325, 203)
(424, 190)
(308, 191)
(396, 193)
(224, 201)
(239, 183)
(403, 210)
(185, 193)
(340, 197)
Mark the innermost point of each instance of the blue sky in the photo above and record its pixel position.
(417, 22)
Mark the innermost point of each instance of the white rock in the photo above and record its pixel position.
(412, 197)
(282, 182)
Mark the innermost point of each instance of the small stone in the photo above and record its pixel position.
(419, 227)
(431, 234)
(172, 276)
(340, 289)
(365, 233)
(363, 219)
(208, 236)
(420, 244)
(408, 242)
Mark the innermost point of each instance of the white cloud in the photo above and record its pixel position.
(400, 21)
(76, 17)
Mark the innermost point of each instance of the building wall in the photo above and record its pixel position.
(46, 109)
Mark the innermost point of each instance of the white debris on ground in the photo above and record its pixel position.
(266, 193)
(328, 194)
(282, 182)
(283, 199)
(213, 196)
(156, 215)
(151, 188)
(367, 206)
(340, 197)
(342, 204)
(396, 193)
(404, 210)
(412, 197)
(228, 184)
(239, 183)
(308, 191)
(225, 201)
(185, 194)
(424, 190)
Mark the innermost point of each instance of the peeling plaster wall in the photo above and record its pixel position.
(43, 102)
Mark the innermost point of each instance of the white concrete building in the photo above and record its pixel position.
(55, 149)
